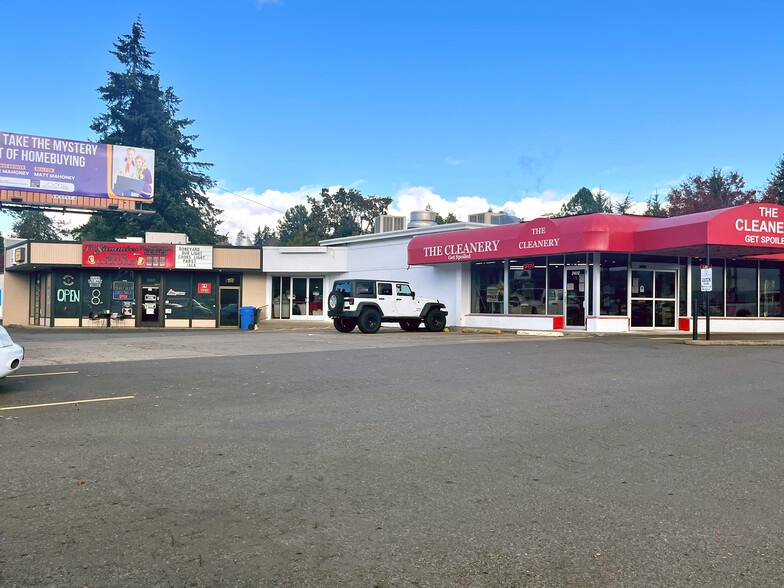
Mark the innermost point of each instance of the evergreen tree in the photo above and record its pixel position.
(140, 113)
(265, 236)
(655, 207)
(585, 202)
(625, 205)
(775, 192)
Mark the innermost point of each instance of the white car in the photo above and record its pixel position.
(11, 354)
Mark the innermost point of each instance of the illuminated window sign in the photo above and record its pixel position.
(123, 290)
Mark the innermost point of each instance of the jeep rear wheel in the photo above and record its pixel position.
(435, 321)
(409, 324)
(369, 321)
(345, 325)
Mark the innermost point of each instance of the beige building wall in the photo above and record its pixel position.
(16, 299)
(236, 258)
(254, 290)
(56, 253)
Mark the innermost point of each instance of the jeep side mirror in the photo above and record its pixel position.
(413, 294)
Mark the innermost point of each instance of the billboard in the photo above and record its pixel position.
(73, 169)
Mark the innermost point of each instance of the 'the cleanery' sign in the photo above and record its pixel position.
(75, 168)
(768, 229)
(127, 255)
(193, 257)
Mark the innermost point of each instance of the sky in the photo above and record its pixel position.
(463, 105)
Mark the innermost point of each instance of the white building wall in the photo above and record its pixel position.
(387, 259)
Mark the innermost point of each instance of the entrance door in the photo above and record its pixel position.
(576, 289)
(229, 302)
(654, 298)
(150, 312)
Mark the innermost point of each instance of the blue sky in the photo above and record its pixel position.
(459, 104)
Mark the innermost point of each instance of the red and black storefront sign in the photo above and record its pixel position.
(128, 255)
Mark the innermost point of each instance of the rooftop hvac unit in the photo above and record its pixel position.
(387, 223)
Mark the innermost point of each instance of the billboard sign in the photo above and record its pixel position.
(127, 255)
(72, 169)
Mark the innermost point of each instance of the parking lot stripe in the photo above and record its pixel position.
(47, 374)
(68, 402)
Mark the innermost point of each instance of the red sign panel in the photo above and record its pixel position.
(204, 288)
(128, 255)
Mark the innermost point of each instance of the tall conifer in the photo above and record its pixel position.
(142, 114)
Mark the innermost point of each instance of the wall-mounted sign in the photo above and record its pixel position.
(204, 288)
(193, 257)
(127, 255)
(75, 168)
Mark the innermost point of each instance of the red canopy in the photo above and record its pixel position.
(749, 230)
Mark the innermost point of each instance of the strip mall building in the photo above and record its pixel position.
(597, 272)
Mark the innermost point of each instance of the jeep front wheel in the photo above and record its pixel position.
(369, 321)
(435, 321)
(409, 324)
(345, 325)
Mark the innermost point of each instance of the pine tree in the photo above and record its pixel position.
(775, 191)
(142, 114)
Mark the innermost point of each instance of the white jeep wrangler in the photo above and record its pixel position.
(368, 303)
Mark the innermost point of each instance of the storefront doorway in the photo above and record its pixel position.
(297, 298)
(150, 315)
(229, 302)
(654, 302)
(576, 288)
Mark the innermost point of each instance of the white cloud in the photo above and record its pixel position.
(414, 198)
(453, 161)
(248, 210)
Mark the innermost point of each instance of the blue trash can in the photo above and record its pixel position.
(246, 317)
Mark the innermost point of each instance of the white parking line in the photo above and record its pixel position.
(47, 374)
(68, 402)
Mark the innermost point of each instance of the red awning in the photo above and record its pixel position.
(750, 230)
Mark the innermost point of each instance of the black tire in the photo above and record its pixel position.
(335, 300)
(345, 325)
(435, 321)
(410, 324)
(369, 321)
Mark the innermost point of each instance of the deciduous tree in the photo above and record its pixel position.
(718, 190)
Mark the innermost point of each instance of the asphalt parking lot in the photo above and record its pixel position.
(312, 458)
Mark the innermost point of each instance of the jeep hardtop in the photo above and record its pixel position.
(368, 303)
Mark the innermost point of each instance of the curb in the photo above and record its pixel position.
(735, 342)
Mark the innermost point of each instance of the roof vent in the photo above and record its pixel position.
(422, 218)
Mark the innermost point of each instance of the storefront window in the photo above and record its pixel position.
(770, 280)
(528, 285)
(555, 280)
(96, 293)
(614, 280)
(177, 296)
(67, 295)
(741, 288)
(487, 287)
(716, 297)
(204, 300)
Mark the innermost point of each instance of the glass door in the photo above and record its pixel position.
(229, 302)
(576, 289)
(151, 306)
(316, 297)
(653, 298)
